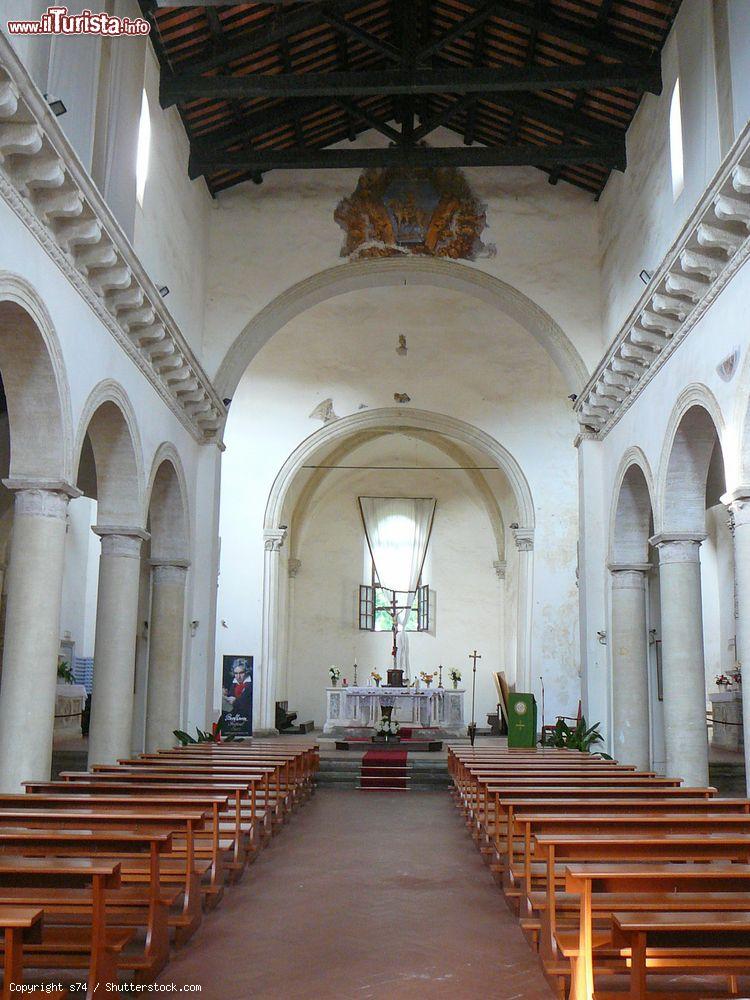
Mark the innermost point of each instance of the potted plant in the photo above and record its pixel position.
(455, 676)
(579, 737)
(335, 673)
(64, 673)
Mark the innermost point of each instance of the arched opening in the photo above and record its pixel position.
(636, 684)
(100, 587)
(696, 579)
(472, 575)
(36, 464)
(159, 687)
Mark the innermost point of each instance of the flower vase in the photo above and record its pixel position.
(334, 682)
(455, 685)
(377, 684)
(428, 683)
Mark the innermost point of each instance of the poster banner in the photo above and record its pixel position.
(237, 696)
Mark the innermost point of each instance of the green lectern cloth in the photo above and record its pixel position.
(522, 721)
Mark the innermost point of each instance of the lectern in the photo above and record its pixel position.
(521, 720)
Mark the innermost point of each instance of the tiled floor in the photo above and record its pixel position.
(364, 895)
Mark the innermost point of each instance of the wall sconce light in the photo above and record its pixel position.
(194, 626)
(646, 276)
(513, 526)
(164, 291)
(602, 637)
(56, 105)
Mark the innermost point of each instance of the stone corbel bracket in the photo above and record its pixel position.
(46, 185)
(711, 247)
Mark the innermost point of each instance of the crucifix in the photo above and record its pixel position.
(393, 608)
(472, 727)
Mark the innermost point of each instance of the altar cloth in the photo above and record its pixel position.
(426, 707)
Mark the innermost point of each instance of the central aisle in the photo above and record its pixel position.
(364, 895)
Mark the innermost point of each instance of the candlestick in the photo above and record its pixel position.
(355, 673)
(440, 676)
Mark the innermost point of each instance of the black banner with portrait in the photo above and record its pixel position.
(237, 696)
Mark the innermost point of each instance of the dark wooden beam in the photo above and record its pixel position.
(470, 23)
(178, 89)
(340, 23)
(444, 116)
(311, 16)
(369, 119)
(416, 156)
(593, 40)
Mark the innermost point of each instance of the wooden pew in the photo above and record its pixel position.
(95, 949)
(146, 908)
(731, 882)
(554, 849)
(20, 925)
(681, 943)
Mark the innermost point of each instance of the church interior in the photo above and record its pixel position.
(375, 498)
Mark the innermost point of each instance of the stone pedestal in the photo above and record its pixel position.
(32, 635)
(683, 670)
(629, 644)
(114, 650)
(166, 638)
(726, 709)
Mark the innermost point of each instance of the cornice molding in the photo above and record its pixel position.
(48, 189)
(711, 247)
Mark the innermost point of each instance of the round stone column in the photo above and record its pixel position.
(32, 634)
(114, 647)
(629, 645)
(739, 505)
(264, 707)
(166, 641)
(683, 670)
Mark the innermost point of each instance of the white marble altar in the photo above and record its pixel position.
(70, 700)
(442, 708)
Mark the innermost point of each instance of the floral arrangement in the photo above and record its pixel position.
(376, 677)
(455, 675)
(731, 680)
(427, 678)
(335, 673)
(389, 727)
(64, 673)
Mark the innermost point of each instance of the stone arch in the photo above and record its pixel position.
(450, 449)
(695, 430)
(381, 273)
(110, 423)
(631, 519)
(379, 420)
(325, 441)
(167, 507)
(36, 386)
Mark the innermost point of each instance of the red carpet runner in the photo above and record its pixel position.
(384, 770)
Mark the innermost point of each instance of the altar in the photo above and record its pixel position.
(441, 708)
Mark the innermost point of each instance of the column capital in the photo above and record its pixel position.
(738, 503)
(500, 566)
(121, 541)
(170, 570)
(32, 484)
(273, 539)
(37, 502)
(524, 539)
(629, 567)
(678, 546)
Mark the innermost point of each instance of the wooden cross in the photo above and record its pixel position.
(475, 656)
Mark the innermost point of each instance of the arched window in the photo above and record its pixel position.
(144, 149)
(675, 142)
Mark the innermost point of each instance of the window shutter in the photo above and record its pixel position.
(423, 608)
(366, 608)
